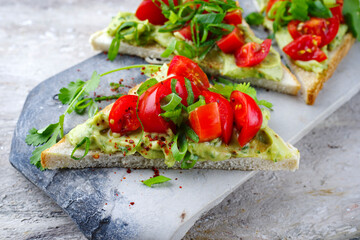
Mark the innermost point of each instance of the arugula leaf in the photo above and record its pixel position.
(351, 12)
(254, 18)
(156, 180)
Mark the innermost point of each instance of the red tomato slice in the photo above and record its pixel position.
(231, 42)
(122, 117)
(151, 10)
(337, 11)
(186, 32)
(205, 121)
(150, 106)
(305, 48)
(252, 53)
(183, 66)
(226, 113)
(234, 17)
(248, 116)
(325, 28)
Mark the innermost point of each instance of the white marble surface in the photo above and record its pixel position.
(38, 40)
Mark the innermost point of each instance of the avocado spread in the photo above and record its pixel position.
(266, 144)
(270, 68)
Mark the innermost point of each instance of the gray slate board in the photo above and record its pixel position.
(98, 200)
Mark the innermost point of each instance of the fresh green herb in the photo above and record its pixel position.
(319, 9)
(70, 96)
(351, 12)
(197, 104)
(146, 85)
(130, 28)
(190, 98)
(156, 180)
(226, 90)
(115, 86)
(191, 134)
(170, 49)
(179, 147)
(171, 102)
(173, 85)
(189, 161)
(85, 141)
(172, 114)
(255, 19)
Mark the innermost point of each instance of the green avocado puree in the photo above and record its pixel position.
(266, 144)
(270, 68)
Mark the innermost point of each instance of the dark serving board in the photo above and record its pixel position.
(100, 200)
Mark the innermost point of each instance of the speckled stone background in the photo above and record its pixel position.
(39, 39)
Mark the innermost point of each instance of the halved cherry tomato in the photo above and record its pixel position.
(150, 106)
(337, 11)
(183, 66)
(325, 28)
(248, 116)
(252, 53)
(231, 42)
(205, 121)
(305, 48)
(186, 32)
(122, 117)
(151, 10)
(226, 113)
(234, 17)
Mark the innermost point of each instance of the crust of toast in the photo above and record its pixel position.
(58, 156)
(100, 41)
(311, 82)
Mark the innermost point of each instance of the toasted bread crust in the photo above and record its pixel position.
(313, 82)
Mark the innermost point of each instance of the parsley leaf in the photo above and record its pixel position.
(37, 137)
(66, 95)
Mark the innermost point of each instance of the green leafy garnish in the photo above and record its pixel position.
(115, 86)
(351, 12)
(71, 96)
(146, 85)
(85, 141)
(226, 91)
(255, 19)
(156, 180)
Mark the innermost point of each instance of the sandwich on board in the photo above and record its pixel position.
(176, 119)
(211, 33)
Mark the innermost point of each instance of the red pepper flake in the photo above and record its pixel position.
(175, 178)
(132, 78)
(128, 170)
(107, 59)
(114, 172)
(96, 156)
(78, 70)
(105, 203)
(100, 108)
(124, 177)
(105, 52)
(156, 172)
(126, 140)
(180, 187)
(117, 194)
(131, 141)
(142, 73)
(132, 203)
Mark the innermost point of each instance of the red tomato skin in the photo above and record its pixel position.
(247, 115)
(252, 53)
(185, 67)
(186, 32)
(234, 17)
(205, 121)
(226, 113)
(122, 117)
(325, 28)
(337, 11)
(305, 48)
(150, 107)
(231, 42)
(152, 11)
